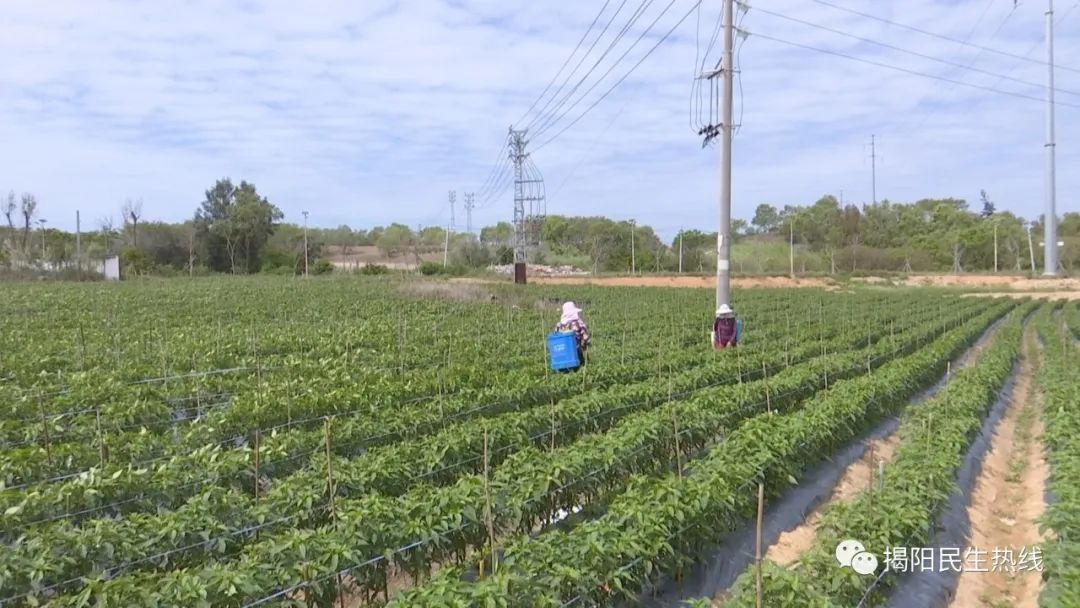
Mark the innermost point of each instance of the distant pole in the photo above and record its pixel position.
(873, 167)
(1050, 215)
(723, 237)
(305, 245)
(791, 248)
(449, 227)
(470, 204)
(1031, 248)
(78, 241)
(680, 251)
(633, 252)
(995, 248)
(41, 223)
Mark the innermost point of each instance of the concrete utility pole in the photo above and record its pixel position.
(78, 241)
(633, 251)
(41, 224)
(723, 237)
(680, 250)
(1050, 215)
(305, 245)
(995, 247)
(1031, 248)
(449, 228)
(873, 167)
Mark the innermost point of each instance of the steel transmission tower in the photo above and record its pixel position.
(529, 202)
(452, 196)
(470, 204)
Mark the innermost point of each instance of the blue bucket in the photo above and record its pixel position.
(563, 350)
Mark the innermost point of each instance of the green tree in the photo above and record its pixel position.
(395, 239)
(233, 226)
(766, 219)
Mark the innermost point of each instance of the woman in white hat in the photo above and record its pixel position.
(571, 321)
(725, 332)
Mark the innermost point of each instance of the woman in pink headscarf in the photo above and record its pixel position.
(571, 321)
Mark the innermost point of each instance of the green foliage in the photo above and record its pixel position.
(1061, 390)
(372, 270)
(233, 226)
(437, 269)
(135, 262)
(322, 266)
(935, 438)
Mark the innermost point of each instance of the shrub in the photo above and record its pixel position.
(372, 269)
(322, 266)
(437, 269)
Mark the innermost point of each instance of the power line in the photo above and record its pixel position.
(970, 68)
(622, 79)
(550, 123)
(567, 62)
(905, 70)
(545, 121)
(633, 18)
(925, 117)
(942, 36)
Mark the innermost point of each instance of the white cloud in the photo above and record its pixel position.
(368, 112)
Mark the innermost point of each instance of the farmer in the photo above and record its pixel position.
(571, 321)
(724, 328)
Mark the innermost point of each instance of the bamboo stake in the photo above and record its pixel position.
(678, 451)
(757, 552)
(487, 505)
(768, 397)
(103, 450)
(329, 472)
(257, 435)
(45, 427)
(554, 428)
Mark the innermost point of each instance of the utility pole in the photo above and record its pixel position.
(633, 252)
(791, 247)
(1050, 214)
(305, 245)
(873, 167)
(41, 224)
(1031, 248)
(449, 228)
(78, 241)
(470, 204)
(995, 247)
(680, 250)
(723, 237)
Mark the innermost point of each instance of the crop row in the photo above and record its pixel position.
(170, 482)
(935, 438)
(285, 401)
(528, 488)
(658, 524)
(1061, 389)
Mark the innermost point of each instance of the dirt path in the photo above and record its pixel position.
(857, 477)
(1008, 499)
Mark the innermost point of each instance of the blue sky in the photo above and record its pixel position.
(369, 112)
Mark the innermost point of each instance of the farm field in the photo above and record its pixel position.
(346, 442)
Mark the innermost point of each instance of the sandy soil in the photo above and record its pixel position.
(857, 477)
(1045, 295)
(687, 281)
(1008, 501)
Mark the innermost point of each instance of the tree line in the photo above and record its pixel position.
(237, 230)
